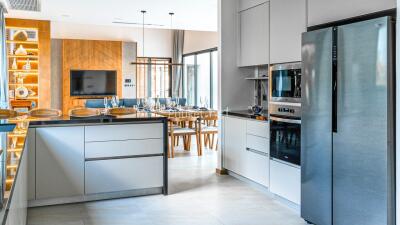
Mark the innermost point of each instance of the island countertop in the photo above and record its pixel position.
(68, 120)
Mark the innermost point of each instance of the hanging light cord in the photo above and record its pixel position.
(143, 12)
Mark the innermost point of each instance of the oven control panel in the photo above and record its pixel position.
(285, 110)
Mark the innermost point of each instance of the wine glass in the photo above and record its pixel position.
(138, 103)
(201, 102)
(117, 101)
(168, 102)
(105, 103)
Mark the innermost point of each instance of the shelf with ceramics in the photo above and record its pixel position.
(23, 65)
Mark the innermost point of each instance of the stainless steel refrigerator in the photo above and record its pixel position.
(347, 130)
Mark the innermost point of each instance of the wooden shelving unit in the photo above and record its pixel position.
(23, 66)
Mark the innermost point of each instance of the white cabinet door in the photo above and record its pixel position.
(18, 207)
(254, 36)
(59, 162)
(31, 146)
(324, 11)
(246, 4)
(288, 22)
(234, 144)
(285, 181)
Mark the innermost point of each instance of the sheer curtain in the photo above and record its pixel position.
(3, 62)
(177, 54)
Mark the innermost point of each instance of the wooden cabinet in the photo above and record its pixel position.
(287, 22)
(234, 144)
(324, 11)
(254, 36)
(245, 153)
(246, 4)
(59, 162)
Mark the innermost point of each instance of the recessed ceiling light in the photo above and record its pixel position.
(65, 15)
(117, 18)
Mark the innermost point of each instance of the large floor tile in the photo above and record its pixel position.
(197, 197)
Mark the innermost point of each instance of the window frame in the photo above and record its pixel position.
(149, 74)
(195, 54)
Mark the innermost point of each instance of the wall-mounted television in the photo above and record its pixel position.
(93, 82)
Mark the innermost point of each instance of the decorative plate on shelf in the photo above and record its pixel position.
(21, 92)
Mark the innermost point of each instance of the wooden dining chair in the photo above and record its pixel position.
(44, 113)
(209, 129)
(185, 132)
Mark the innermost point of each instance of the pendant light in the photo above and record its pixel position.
(143, 39)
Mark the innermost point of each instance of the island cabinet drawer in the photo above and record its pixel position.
(257, 128)
(123, 132)
(123, 148)
(123, 174)
(257, 143)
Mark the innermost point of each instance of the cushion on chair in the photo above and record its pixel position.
(96, 103)
(129, 102)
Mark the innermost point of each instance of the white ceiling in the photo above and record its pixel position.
(189, 14)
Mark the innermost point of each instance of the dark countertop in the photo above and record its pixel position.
(103, 119)
(247, 114)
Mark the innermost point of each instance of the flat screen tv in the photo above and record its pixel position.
(93, 82)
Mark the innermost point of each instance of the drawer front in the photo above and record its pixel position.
(123, 148)
(123, 174)
(123, 132)
(257, 128)
(257, 168)
(257, 143)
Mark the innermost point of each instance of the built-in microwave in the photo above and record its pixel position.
(285, 83)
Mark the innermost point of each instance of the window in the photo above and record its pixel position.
(200, 78)
(153, 78)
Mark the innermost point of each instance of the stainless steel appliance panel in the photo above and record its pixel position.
(360, 146)
(316, 130)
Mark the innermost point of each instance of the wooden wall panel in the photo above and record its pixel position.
(89, 55)
(44, 56)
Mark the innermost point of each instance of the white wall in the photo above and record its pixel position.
(158, 42)
(199, 40)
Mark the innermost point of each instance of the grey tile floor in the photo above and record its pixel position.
(197, 197)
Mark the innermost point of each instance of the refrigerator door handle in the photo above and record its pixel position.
(334, 78)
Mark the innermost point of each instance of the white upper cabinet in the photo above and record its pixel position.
(246, 4)
(254, 36)
(325, 11)
(287, 23)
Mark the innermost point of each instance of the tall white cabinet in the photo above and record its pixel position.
(59, 162)
(287, 22)
(253, 35)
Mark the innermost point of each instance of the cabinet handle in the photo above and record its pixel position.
(257, 152)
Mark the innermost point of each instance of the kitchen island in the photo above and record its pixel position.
(72, 160)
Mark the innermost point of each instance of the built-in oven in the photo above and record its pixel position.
(285, 83)
(285, 128)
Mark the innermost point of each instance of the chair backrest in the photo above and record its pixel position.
(7, 113)
(122, 111)
(84, 112)
(41, 113)
(183, 119)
